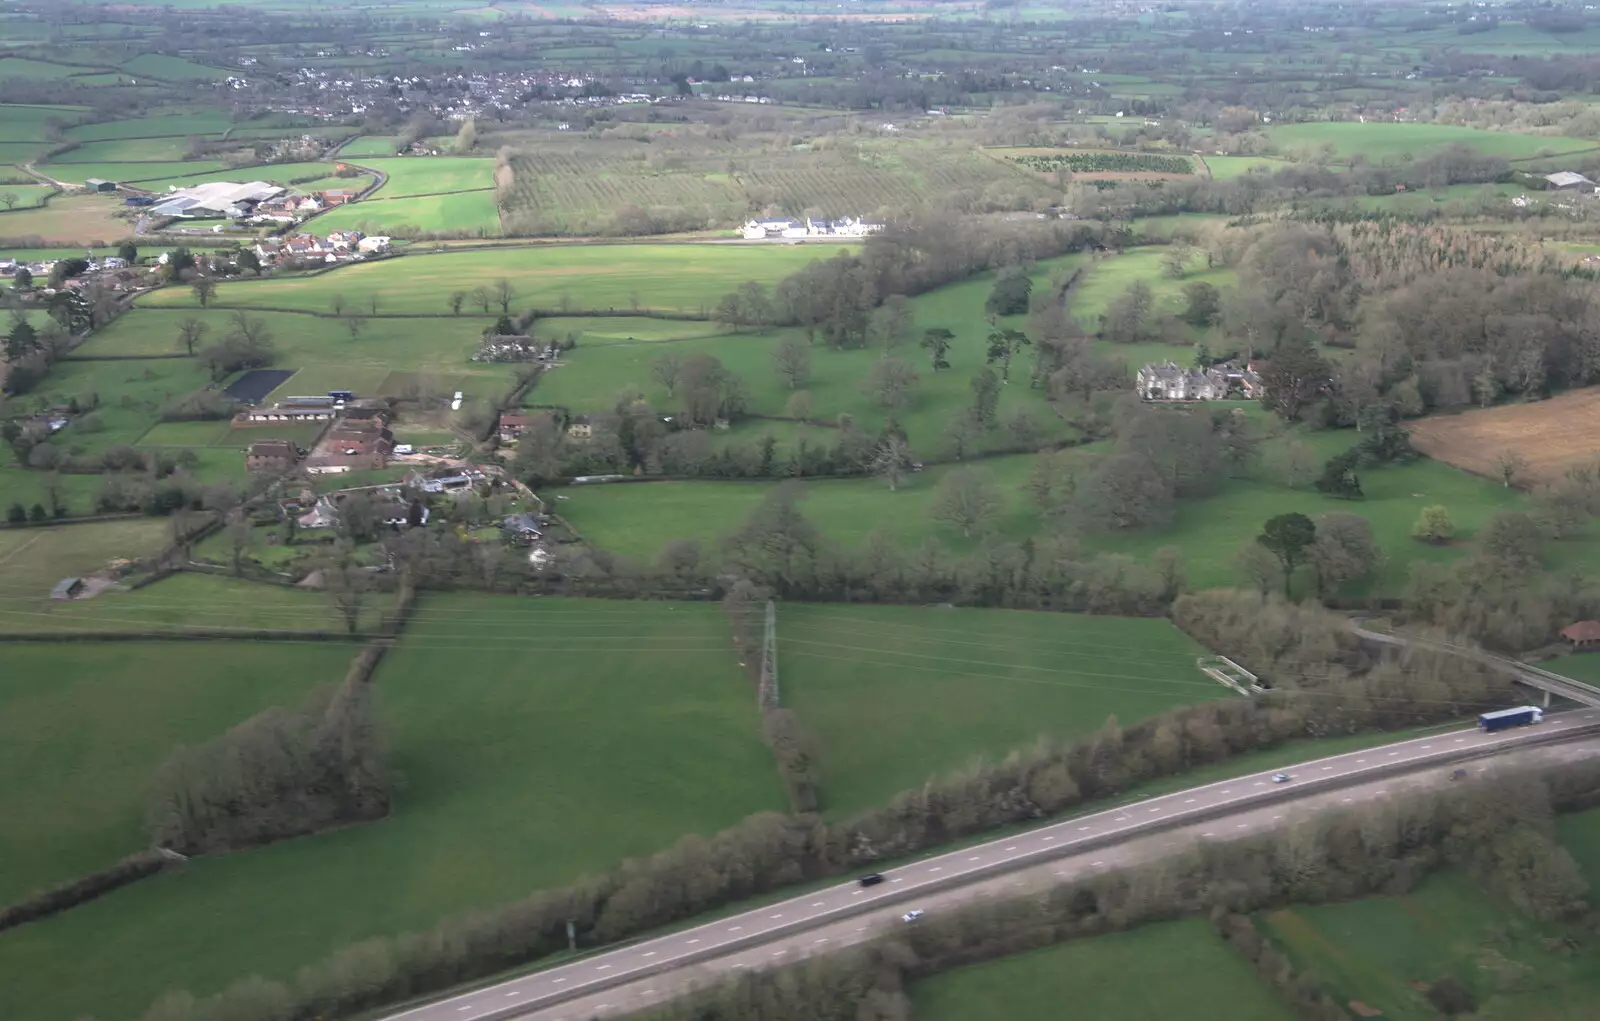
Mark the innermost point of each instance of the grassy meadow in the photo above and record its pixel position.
(1378, 949)
(32, 560)
(408, 217)
(897, 694)
(1392, 143)
(1168, 969)
(680, 278)
(584, 732)
(181, 603)
(429, 175)
(88, 724)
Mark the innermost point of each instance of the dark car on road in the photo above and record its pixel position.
(871, 879)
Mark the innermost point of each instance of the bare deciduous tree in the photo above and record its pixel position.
(968, 498)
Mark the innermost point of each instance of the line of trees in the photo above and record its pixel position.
(279, 774)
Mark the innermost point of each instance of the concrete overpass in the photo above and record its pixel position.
(1524, 673)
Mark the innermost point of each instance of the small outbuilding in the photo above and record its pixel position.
(95, 184)
(67, 588)
(1582, 635)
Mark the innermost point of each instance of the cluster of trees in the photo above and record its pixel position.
(279, 774)
(246, 345)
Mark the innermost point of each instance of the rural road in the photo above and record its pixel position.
(638, 974)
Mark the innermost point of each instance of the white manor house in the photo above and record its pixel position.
(787, 227)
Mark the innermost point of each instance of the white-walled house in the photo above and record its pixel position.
(786, 227)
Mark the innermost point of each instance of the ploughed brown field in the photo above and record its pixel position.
(1553, 435)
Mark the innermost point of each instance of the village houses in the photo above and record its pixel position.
(792, 229)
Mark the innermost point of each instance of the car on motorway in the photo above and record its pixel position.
(1281, 778)
(871, 879)
(912, 915)
(1458, 774)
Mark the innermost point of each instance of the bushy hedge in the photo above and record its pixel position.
(131, 869)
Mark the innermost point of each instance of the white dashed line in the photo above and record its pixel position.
(779, 953)
(1049, 839)
(1228, 791)
(694, 941)
(896, 879)
(975, 857)
(735, 928)
(936, 868)
(560, 980)
(1099, 863)
(1276, 818)
(816, 903)
(822, 940)
(1261, 783)
(460, 1009)
(603, 967)
(1426, 747)
(1346, 800)
(1360, 760)
(510, 995)
(1394, 755)
(1189, 801)
(1327, 769)
(1208, 833)
(1013, 847)
(1082, 829)
(1155, 810)
(651, 954)
(1244, 826)
(774, 916)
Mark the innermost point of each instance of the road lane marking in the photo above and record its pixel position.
(1276, 818)
(775, 916)
(1049, 839)
(975, 857)
(779, 953)
(816, 903)
(1228, 791)
(1261, 783)
(738, 965)
(651, 954)
(896, 879)
(1382, 792)
(1426, 747)
(1155, 810)
(1013, 847)
(603, 967)
(1394, 755)
(1082, 828)
(1460, 739)
(1361, 760)
(736, 928)
(822, 940)
(1188, 801)
(855, 893)
(1244, 826)
(936, 868)
(561, 980)
(1099, 863)
(1346, 800)
(460, 1009)
(1208, 833)
(510, 995)
(694, 941)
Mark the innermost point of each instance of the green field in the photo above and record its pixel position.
(473, 212)
(21, 67)
(1393, 143)
(1579, 832)
(675, 277)
(1164, 970)
(89, 723)
(368, 145)
(584, 732)
(275, 173)
(26, 195)
(184, 602)
(1104, 279)
(198, 123)
(1225, 168)
(20, 122)
(1374, 949)
(172, 69)
(32, 560)
(77, 173)
(430, 175)
(129, 394)
(898, 694)
(124, 150)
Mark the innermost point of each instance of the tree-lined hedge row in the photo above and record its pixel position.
(1106, 162)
